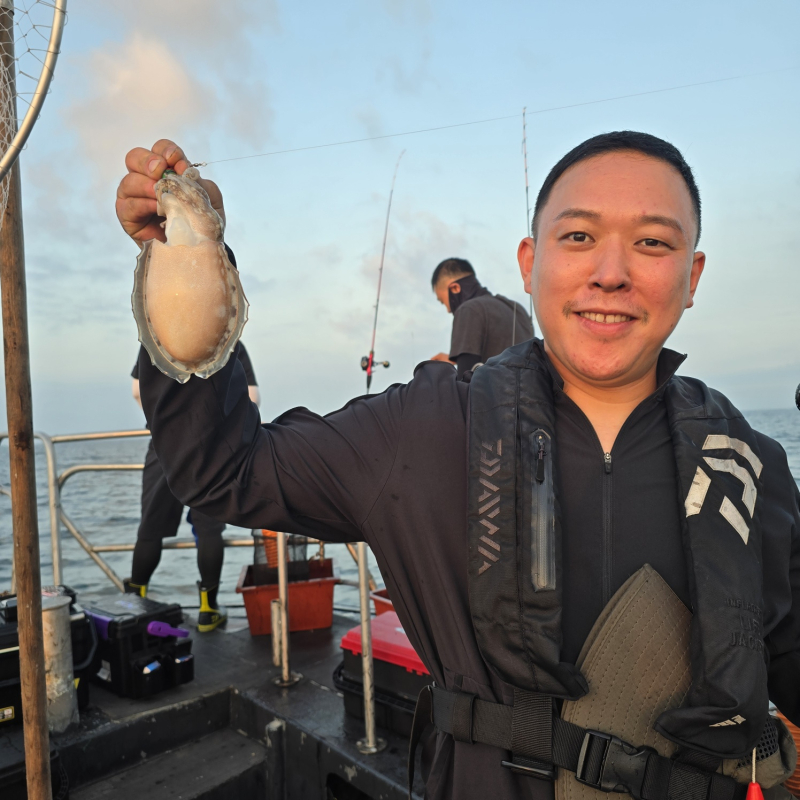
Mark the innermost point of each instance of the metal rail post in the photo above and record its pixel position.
(54, 502)
(287, 677)
(352, 550)
(370, 743)
(22, 470)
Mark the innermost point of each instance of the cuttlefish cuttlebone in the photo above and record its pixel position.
(187, 299)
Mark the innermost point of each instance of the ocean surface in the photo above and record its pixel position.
(106, 507)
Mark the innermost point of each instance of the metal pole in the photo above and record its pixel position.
(287, 677)
(54, 498)
(275, 611)
(352, 550)
(21, 462)
(370, 743)
(86, 545)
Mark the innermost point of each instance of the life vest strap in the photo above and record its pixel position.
(597, 759)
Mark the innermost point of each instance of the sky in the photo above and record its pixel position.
(232, 79)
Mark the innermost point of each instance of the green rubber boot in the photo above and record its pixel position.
(134, 588)
(211, 615)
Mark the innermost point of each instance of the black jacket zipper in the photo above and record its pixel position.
(542, 539)
(608, 538)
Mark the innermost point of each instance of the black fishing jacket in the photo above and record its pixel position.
(392, 469)
(515, 534)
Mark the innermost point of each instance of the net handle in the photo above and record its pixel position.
(46, 75)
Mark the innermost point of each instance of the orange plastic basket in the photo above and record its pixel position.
(310, 601)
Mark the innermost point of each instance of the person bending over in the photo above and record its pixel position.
(484, 324)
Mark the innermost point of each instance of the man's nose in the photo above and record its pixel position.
(611, 271)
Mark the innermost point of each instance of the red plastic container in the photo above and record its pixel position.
(383, 602)
(389, 644)
(310, 595)
(399, 674)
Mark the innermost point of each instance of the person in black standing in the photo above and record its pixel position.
(161, 516)
(484, 324)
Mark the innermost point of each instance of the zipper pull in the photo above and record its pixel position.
(540, 461)
(607, 462)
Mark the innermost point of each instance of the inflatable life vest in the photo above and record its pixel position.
(514, 534)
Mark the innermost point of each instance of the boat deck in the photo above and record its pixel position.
(231, 731)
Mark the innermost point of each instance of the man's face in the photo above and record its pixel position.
(613, 266)
(443, 288)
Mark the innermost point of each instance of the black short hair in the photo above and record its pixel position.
(616, 141)
(456, 267)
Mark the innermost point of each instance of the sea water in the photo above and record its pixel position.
(105, 506)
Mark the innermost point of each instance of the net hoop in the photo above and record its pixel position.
(37, 101)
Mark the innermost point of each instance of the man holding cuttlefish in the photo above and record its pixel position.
(521, 518)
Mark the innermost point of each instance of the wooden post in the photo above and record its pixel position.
(21, 457)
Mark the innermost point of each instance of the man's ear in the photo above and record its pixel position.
(525, 254)
(454, 287)
(698, 264)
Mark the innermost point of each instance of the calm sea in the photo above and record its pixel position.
(105, 507)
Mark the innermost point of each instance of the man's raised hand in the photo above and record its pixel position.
(136, 196)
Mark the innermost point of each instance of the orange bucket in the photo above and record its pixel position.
(310, 601)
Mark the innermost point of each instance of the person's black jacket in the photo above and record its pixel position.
(391, 469)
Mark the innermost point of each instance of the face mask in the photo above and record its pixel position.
(470, 287)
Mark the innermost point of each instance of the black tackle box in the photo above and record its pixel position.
(84, 653)
(133, 661)
(12, 769)
(399, 674)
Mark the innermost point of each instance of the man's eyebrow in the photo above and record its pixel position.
(579, 213)
(646, 219)
(659, 219)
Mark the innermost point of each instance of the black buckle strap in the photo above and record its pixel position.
(599, 760)
(607, 763)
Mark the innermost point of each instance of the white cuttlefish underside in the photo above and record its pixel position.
(188, 300)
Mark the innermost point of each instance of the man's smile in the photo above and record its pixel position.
(605, 319)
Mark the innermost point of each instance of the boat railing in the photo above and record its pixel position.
(59, 517)
(55, 483)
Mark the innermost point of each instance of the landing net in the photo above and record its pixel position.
(30, 39)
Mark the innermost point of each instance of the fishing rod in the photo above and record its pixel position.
(368, 362)
(528, 230)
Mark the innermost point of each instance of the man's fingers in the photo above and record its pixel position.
(136, 209)
(135, 212)
(173, 155)
(165, 154)
(136, 185)
(145, 162)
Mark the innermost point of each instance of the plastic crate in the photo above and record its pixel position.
(399, 674)
(310, 590)
(131, 661)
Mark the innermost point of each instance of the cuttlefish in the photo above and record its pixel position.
(187, 299)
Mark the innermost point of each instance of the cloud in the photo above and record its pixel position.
(135, 94)
(184, 70)
(202, 24)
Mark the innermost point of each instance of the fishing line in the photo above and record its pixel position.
(490, 119)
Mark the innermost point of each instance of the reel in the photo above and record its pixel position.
(365, 363)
